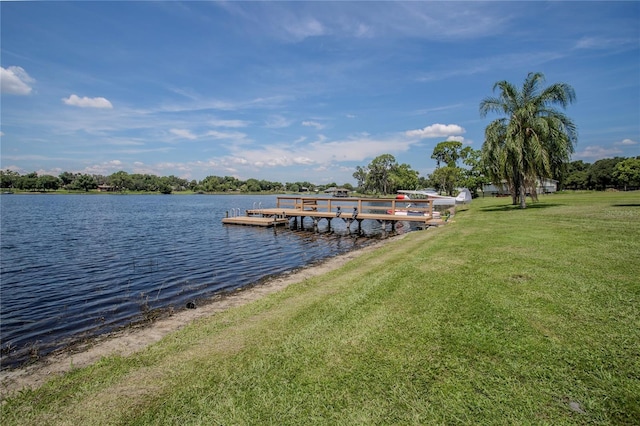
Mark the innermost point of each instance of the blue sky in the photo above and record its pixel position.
(297, 91)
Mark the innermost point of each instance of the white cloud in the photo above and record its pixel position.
(277, 122)
(105, 168)
(603, 43)
(1, 134)
(429, 20)
(123, 142)
(597, 152)
(363, 31)
(320, 152)
(590, 43)
(15, 81)
(229, 123)
(626, 142)
(300, 140)
(318, 126)
(183, 133)
(456, 138)
(85, 102)
(436, 131)
(226, 135)
(302, 29)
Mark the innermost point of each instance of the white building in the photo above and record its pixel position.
(543, 186)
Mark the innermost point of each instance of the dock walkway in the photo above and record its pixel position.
(349, 209)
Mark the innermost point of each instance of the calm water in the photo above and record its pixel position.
(73, 266)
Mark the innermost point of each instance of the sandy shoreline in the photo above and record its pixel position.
(130, 340)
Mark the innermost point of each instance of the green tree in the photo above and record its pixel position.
(577, 180)
(231, 183)
(474, 176)
(533, 139)
(446, 178)
(83, 182)
(577, 177)
(253, 185)
(48, 183)
(627, 172)
(403, 177)
(66, 178)
(293, 187)
(121, 180)
(424, 182)
(385, 176)
(176, 183)
(210, 183)
(348, 187)
(28, 182)
(447, 152)
(600, 173)
(360, 175)
(447, 174)
(164, 185)
(379, 176)
(9, 178)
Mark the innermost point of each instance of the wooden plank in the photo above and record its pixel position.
(255, 221)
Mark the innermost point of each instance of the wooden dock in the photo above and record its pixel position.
(348, 209)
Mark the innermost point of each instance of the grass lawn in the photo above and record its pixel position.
(504, 316)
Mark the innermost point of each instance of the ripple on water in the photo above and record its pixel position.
(76, 266)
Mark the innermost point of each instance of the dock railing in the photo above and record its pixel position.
(379, 206)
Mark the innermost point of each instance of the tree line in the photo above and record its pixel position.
(617, 173)
(122, 181)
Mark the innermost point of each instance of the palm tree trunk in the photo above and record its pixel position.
(523, 196)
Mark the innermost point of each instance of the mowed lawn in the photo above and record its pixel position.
(504, 316)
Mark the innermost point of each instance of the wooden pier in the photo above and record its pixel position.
(383, 210)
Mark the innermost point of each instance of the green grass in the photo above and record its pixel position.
(504, 316)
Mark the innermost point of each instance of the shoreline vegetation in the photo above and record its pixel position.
(504, 316)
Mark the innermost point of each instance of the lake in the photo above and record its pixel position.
(75, 266)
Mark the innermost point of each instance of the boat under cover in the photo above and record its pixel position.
(464, 197)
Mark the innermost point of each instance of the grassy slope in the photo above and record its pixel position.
(502, 317)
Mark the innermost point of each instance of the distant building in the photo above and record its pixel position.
(106, 188)
(337, 192)
(543, 186)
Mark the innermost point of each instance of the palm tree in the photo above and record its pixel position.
(533, 140)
